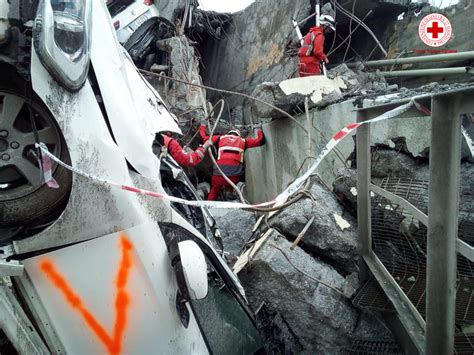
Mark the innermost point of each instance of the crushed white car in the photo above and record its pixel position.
(88, 267)
(129, 15)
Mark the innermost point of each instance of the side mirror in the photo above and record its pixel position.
(190, 268)
(194, 267)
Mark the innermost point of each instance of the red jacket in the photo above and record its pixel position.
(313, 46)
(182, 157)
(231, 150)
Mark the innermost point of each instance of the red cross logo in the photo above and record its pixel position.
(435, 30)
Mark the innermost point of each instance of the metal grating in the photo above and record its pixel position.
(372, 297)
(414, 191)
(399, 240)
(374, 346)
(463, 344)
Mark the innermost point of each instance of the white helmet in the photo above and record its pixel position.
(234, 132)
(327, 20)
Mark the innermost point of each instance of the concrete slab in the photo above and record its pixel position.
(315, 86)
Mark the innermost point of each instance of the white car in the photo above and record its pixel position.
(128, 15)
(91, 265)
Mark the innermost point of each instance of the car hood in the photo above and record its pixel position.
(134, 109)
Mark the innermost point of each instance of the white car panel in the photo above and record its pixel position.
(130, 15)
(136, 111)
(91, 269)
(93, 210)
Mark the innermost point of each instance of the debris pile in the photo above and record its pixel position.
(341, 84)
(302, 292)
(390, 163)
(180, 61)
(332, 234)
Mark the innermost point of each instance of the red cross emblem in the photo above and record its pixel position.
(435, 30)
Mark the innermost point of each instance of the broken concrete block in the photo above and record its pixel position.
(321, 319)
(392, 163)
(272, 93)
(324, 237)
(315, 86)
(235, 227)
(185, 66)
(372, 81)
(343, 71)
(331, 98)
(327, 9)
(345, 189)
(395, 164)
(352, 285)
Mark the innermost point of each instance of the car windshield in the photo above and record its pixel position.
(117, 6)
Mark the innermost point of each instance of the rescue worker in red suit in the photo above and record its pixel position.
(230, 158)
(182, 157)
(311, 53)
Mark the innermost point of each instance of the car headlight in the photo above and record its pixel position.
(62, 39)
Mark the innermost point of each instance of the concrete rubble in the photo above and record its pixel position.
(305, 274)
(340, 84)
(236, 228)
(322, 319)
(296, 313)
(324, 238)
(390, 163)
(182, 63)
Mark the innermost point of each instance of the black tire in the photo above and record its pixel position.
(30, 205)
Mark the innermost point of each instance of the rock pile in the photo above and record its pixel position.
(303, 295)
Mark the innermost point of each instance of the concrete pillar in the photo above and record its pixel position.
(445, 154)
(363, 193)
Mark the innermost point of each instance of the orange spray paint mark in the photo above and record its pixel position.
(122, 299)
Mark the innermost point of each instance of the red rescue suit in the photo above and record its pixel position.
(230, 158)
(311, 53)
(182, 157)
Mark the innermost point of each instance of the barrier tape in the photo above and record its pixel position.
(100, 181)
(289, 191)
(468, 139)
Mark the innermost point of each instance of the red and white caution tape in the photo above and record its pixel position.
(339, 136)
(98, 180)
(289, 191)
(469, 142)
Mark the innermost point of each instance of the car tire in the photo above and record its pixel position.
(22, 202)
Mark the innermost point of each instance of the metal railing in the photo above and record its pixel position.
(433, 334)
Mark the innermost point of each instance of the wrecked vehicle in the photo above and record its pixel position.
(87, 264)
(139, 26)
(129, 15)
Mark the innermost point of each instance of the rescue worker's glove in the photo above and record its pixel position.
(203, 122)
(207, 144)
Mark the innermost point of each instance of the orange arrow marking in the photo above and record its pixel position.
(122, 299)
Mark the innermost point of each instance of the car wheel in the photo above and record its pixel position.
(24, 199)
